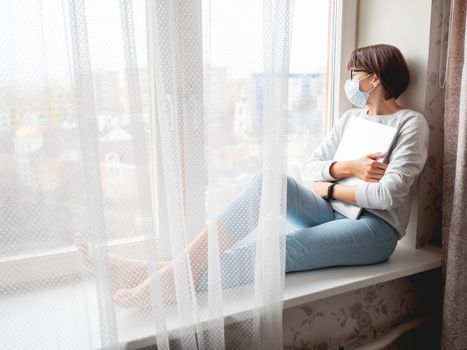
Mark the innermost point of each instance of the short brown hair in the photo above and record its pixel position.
(387, 62)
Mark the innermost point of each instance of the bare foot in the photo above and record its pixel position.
(132, 297)
(141, 294)
(125, 273)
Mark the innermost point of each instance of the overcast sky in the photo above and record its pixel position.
(236, 36)
(34, 51)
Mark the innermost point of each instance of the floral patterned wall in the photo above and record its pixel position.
(361, 316)
(430, 186)
(352, 319)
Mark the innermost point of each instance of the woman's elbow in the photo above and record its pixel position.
(393, 194)
(394, 201)
(388, 201)
(385, 204)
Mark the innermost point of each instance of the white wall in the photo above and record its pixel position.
(406, 25)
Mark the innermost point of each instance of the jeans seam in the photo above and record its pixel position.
(356, 244)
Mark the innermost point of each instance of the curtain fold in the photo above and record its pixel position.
(143, 195)
(454, 225)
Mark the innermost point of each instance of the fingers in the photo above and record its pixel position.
(377, 171)
(376, 155)
(374, 175)
(381, 165)
(372, 179)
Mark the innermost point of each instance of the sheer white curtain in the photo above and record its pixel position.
(143, 196)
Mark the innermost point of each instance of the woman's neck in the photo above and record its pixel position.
(383, 107)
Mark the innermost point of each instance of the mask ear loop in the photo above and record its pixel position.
(374, 87)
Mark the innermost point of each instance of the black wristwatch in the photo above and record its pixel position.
(330, 192)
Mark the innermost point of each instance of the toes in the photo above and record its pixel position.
(122, 297)
(164, 263)
(83, 249)
(80, 241)
(131, 297)
(78, 236)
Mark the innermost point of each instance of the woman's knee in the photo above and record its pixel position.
(381, 252)
(391, 249)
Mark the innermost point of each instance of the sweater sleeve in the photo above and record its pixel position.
(316, 167)
(406, 162)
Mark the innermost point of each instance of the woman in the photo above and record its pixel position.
(378, 75)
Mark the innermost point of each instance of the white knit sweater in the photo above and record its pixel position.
(390, 197)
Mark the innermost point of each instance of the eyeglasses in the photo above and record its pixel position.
(353, 70)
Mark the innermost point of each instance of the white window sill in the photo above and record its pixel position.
(308, 286)
(37, 310)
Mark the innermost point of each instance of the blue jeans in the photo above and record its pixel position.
(325, 237)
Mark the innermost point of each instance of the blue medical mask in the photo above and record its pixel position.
(354, 94)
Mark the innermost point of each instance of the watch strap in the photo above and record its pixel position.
(330, 194)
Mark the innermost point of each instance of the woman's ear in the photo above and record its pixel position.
(375, 80)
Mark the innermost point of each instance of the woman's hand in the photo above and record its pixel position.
(321, 188)
(368, 168)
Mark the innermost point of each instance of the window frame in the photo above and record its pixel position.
(64, 262)
(343, 33)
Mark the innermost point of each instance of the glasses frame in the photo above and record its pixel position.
(353, 70)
